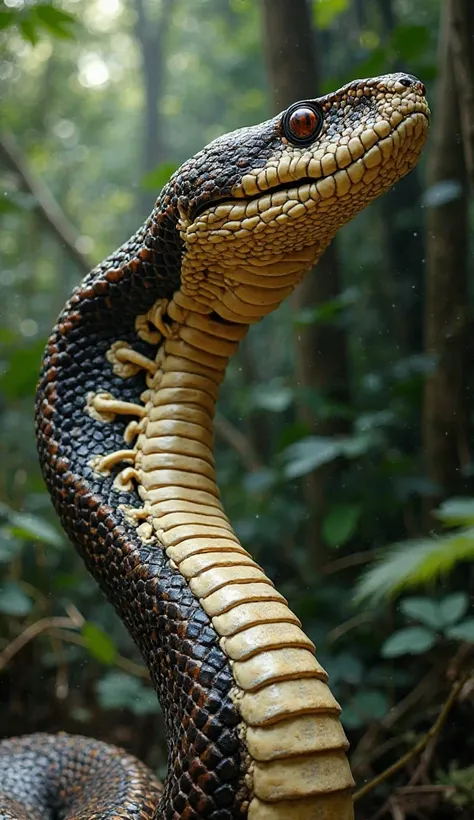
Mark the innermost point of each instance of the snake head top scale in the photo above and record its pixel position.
(272, 196)
(125, 410)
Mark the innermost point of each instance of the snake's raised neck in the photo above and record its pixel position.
(125, 415)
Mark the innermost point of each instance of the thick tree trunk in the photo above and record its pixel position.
(445, 421)
(320, 350)
(461, 21)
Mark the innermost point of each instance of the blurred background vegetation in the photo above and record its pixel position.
(344, 430)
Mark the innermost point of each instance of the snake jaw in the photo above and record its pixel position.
(300, 196)
(356, 117)
(381, 107)
(246, 702)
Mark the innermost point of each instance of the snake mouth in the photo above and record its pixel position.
(296, 183)
(291, 185)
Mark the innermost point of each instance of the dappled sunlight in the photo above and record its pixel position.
(93, 71)
(343, 434)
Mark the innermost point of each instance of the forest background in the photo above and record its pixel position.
(344, 435)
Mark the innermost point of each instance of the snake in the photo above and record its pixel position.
(124, 419)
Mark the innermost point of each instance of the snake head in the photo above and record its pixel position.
(273, 195)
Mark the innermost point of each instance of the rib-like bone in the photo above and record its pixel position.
(241, 258)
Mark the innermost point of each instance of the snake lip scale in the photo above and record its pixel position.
(124, 415)
(285, 186)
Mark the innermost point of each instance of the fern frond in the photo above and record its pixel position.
(414, 563)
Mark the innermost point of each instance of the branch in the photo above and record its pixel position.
(119, 660)
(48, 208)
(421, 745)
(60, 627)
(32, 631)
(367, 750)
(462, 48)
(348, 561)
(240, 443)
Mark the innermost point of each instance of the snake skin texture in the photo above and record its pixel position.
(125, 409)
(52, 774)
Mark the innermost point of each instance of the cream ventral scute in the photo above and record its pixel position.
(125, 414)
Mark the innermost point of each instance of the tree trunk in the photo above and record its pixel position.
(445, 417)
(151, 35)
(320, 350)
(462, 44)
(404, 237)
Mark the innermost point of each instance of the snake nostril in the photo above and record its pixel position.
(408, 80)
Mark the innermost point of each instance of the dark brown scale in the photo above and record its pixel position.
(64, 778)
(189, 670)
(73, 777)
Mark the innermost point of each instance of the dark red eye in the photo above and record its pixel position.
(302, 123)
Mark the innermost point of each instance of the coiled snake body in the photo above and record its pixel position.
(124, 422)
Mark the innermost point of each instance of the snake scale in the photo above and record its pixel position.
(125, 408)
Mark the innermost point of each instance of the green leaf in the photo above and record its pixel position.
(10, 547)
(462, 632)
(340, 524)
(413, 563)
(345, 667)
(411, 641)
(28, 30)
(13, 601)
(64, 581)
(325, 12)
(275, 398)
(117, 690)
(53, 15)
(424, 610)
(33, 528)
(7, 18)
(309, 454)
(359, 444)
(410, 42)
(322, 314)
(439, 194)
(260, 481)
(20, 377)
(326, 312)
(366, 706)
(7, 206)
(375, 64)
(56, 21)
(453, 607)
(155, 180)
(456, 512)
(99, 644)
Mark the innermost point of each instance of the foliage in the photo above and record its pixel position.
(117, 690)
(423, 560)
(327, 11)
(437, 618)
(461, 781)
(75, 107)
(35, 20)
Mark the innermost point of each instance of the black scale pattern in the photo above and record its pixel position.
(191, 674)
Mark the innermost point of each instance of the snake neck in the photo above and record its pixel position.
(294, 746)
(173, 454)
(174, 463)
(253, 731)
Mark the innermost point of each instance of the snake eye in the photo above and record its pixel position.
(302, 123)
